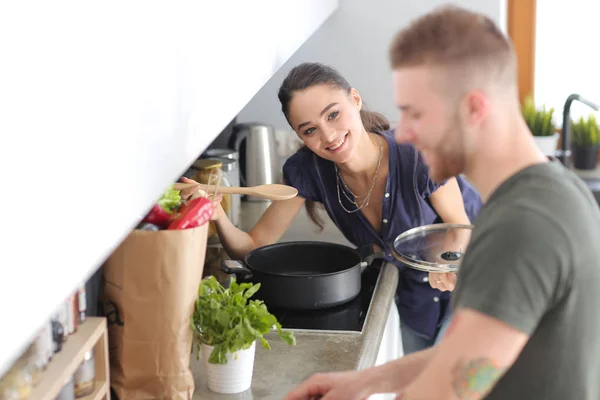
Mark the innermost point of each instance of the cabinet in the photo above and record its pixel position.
(390, 348)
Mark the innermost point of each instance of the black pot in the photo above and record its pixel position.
(585, 157)
(302, 275)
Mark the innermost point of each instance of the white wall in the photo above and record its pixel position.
(355, 41)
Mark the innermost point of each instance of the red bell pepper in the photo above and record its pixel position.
(196, 213)
(158, 216)
(164, 211)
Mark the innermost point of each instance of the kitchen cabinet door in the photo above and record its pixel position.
(103, 106)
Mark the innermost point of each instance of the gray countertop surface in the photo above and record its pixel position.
(280, 369)
(588, 173)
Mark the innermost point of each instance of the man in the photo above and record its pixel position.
(524, 322)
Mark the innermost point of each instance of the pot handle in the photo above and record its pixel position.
(368, 254)
(234, 267)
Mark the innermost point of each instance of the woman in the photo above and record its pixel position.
(372, 188)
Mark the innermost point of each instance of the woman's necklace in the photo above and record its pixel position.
(367, 197)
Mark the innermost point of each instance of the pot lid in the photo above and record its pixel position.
(433, 248)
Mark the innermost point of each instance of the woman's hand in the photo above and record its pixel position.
(190, 192)
(456, 240)
(444, 281)
(187, 193)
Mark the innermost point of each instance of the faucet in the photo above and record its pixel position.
(564, 154)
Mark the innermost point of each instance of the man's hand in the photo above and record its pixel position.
(352, 385)
(391, 377)
(444, 281)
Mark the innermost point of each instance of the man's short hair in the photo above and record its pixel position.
(457, 39)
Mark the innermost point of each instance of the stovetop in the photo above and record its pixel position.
(346, 317)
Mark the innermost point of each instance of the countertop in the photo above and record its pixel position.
(280, 369)
(588, 174)
(283, 367)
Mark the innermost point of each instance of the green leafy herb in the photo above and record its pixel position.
(170, 201)
(228, 320)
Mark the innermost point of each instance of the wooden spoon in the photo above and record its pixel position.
(271, 191)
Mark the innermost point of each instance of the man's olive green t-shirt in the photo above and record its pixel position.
(533, 262)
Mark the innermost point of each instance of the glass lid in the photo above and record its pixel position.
(433, 248)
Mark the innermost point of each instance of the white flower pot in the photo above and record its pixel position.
(233, 377)
(547, 144)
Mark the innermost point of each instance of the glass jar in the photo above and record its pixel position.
(17, 384)
(232, 174)
(231, 169)
(208, 171)
(39, 345)
(85, 376)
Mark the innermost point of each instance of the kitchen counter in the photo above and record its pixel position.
(301, 228)
(283, 367)
(280, 369)
(589, 174)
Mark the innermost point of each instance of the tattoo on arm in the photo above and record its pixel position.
(472, 380)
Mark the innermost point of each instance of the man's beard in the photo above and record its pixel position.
(448, 166)
(450, 155)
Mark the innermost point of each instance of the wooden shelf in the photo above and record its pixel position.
(100, 391)
(92, 334)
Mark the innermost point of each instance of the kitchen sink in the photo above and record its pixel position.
(594, 185)
(590, 177)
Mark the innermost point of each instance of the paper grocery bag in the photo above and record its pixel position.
(151, 284)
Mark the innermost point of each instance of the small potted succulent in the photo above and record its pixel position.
(585, 138)
(541, 125)
(226, 324)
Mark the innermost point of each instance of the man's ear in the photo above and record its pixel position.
(475, 107)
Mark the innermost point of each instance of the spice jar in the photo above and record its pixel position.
(82, 301)
(85, 376)
(35, 369)
(44, 346)
(58, 333)
(49, 341)
(63, 319)
(72, 313)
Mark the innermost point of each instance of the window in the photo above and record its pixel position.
(566, 55)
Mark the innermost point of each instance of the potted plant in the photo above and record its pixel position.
(585, 138)
(541, 125)
(226, 324)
